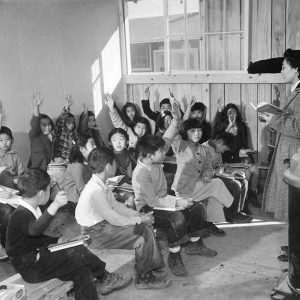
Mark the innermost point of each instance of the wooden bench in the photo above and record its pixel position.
(56, 289)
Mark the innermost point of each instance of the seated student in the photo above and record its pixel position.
(238, 187)
(164, 105)
(150, 188)
(13, 168)
(135, 131)
(41, 137)
(118, 139)
(87, 125)
(198, 110)
(78, 172)
(65, 132)
(193, 178)
(229, 119)
(110, 224)
(129, 114)
(27, 246)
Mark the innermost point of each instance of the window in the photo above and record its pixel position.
(186, 35)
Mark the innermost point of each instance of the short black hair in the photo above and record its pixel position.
(99, 158)
(149, 144)
(120, 131)
(75, 153)
(227, 138)
(142, 120)
(6, 130)
(198, 106)
(164, 101)
(189, 124)
(160, 122)
(33, 181)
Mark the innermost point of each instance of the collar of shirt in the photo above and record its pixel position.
(2, 153)
(37, 213)
(148, 167)
(98, 181)
(293, 87)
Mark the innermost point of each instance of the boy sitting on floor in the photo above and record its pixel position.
(27, 246)
(112, 225)
(150, 188)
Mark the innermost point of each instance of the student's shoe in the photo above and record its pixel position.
(246, 210)
(239, 218)
(150, 281)
(3, 255)
(198, 248)
(214, 230)
(176, 264)
(160, 273)
(112, 282)
(252, 197)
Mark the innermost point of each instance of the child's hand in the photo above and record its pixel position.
(193, 101)
(147, 218)
(109, 101)
(85, 108)
(37, 99)
(171, 94)
(220, 104)
(184, 202)
(133, 139)
(266, 116)
(60, 199)
(1, 114)
(232, 120)
(147, 93)
(206, 178)
(176, 110)
(69, 101)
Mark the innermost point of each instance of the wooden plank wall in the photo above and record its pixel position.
(269, 37)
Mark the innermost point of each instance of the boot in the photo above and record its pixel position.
(176, 264)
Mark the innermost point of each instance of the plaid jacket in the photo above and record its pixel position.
(65, 138)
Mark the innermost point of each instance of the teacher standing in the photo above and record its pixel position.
(287, 127)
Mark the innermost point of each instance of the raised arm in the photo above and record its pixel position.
(35, 120)
(146, 106)
(61, 120)
(189, 108)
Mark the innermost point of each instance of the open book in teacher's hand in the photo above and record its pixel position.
(264, 107)
(73, 243)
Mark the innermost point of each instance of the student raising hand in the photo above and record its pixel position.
(109, 101)
(175, 110)
(37, 99)
(69, 101)
(147, 93)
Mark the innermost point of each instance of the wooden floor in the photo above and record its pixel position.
(246, 266)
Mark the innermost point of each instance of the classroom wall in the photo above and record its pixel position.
(50, 46)
(274, 26)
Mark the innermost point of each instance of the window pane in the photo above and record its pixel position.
(233, 51)
(214, 15)
(140, 57)
(193, 60)
(146, 35)
(177, 55)
(233, 15)
(176, 17)
(214, 51)
(193, 17)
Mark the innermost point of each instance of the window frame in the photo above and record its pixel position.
(125, 49)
